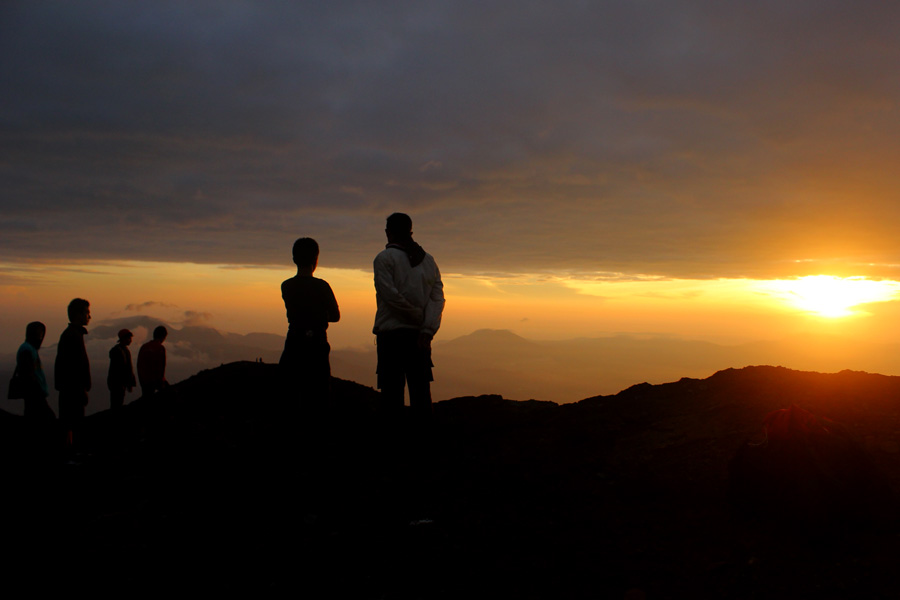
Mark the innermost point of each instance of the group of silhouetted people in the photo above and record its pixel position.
(72, 370)
(409, 299)
(409, 304)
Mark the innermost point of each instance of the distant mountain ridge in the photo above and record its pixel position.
(498, 361)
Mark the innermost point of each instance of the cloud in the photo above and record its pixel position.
(148, 305)
(172, 313)
(689, 139)
(430, 165)
(194, 318)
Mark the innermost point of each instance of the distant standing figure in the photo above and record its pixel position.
(311, 306)
(73, 369)
(121, 370)
(409, 296)
(29, 368)
(151, 363)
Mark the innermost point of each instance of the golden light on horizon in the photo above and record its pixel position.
(244, 300)
(833, 297)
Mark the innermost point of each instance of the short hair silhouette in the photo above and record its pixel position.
(34, 330)
(160, 333)
(76, 307)
(399, 224)
(124, 334)
(305, 252)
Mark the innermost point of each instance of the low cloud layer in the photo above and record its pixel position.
(689, 139)
(151, 304)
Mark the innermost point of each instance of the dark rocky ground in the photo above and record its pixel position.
(216, 486)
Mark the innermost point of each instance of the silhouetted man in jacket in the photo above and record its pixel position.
(121, 370)
(29, 368)
(72, 370)
(409, 296)
(151, 363)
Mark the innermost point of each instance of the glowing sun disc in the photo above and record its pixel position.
(833, 297)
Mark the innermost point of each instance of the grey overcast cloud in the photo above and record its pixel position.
(682, 139)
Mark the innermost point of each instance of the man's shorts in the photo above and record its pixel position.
(399, 352)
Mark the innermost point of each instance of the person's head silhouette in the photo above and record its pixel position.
(398, 228)
(34, 333)
(79, 311)
(306, 254)
(125, 337)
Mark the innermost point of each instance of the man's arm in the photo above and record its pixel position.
(60, 365)
(435, 307)
(161, 364)
(131, 380)
(85, 365)
(27, 367)
(334, 311)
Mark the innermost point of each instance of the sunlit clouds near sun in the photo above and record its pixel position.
(832, 297)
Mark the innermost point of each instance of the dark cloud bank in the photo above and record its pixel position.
(693, 139)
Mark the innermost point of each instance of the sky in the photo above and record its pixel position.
(576, 168)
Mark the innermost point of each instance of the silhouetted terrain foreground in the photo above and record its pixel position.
(217, 485)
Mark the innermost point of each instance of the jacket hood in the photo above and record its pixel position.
(414, 252)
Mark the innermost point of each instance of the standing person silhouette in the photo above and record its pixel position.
(121, 370)
(311, 306)
(151, 363)
(409, 296)
(29, 368)
(72, 369)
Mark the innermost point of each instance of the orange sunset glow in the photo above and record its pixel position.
(662, 177)
(857, 313)
(441, 299)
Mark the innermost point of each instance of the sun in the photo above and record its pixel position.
(833, 297)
